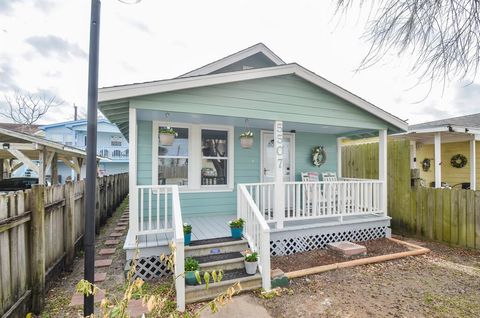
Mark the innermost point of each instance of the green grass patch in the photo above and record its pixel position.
(465, 305)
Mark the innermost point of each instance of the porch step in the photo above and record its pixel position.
(201, 293)
(223, 261)
(215, 246)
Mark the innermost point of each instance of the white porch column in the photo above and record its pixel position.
(382, 167)
(438, 160)
(132, 170)
(473, 165)
(279, 201)
(339, 157)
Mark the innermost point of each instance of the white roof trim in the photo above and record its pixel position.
(444, 128)
(233, 58)
(135, 90)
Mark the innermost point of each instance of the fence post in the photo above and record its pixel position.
(97, 207)
(69, 225)
(37, 235)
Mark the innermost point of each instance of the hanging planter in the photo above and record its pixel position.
(246, 139)
(167, 136)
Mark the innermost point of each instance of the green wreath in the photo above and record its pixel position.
(458, 161)
(319, 156)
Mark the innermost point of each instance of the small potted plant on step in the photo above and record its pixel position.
(236, 227)
(191, 268)
(167, 136)
(246, 139)
(187, 233)
(251, 262)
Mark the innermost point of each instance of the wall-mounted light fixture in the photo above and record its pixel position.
(6, 145)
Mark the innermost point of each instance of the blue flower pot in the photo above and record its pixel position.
(187, 238)
(237, 232)
(190, 278)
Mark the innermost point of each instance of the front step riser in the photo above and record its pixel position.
(223, 249)
(225, 267)
(214, 291)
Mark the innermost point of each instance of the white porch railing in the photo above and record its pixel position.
(256, 231)
(308, 200)
(160, 212)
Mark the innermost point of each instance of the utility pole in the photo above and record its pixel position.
(91, 175)
(75, 112)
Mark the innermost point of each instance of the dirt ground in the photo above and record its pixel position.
(443, 283)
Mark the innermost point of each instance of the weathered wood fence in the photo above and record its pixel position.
(444, 215)
(40, 229)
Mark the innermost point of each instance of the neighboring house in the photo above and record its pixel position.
(111, 145)
(446, 151)
(33, 130)
(206, 178)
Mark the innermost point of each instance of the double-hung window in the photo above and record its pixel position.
(200, 158)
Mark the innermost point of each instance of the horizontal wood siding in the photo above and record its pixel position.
(144, 152)
(287, 98)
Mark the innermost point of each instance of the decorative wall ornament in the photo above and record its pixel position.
(458, 161)
(246, 138)
(319, 156)
(426, 164)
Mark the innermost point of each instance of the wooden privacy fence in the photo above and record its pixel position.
(40, 229)
(450, 216)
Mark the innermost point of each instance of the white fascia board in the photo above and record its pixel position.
(219, 64)
(135, 90)
(456, 129)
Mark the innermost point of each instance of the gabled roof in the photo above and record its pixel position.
(236, 57)
(134, 90)
(72, 123)
(27, 129)
(468, 121)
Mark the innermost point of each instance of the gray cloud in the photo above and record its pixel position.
(44, 5)
(52, 45)
(139, 25)
(467, 98)
(6, 6)
(7, 72)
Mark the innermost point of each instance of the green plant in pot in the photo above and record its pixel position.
(167, 136)
(187, 233)
(191, 271)
(236, 227)
(246, 139)
(251, 262)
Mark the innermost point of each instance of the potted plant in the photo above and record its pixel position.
(191, 271)
(187, 233)
(167, 136)
(246, 139)
(236, 227)
(251, 262)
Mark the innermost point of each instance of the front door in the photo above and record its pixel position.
(268, 157)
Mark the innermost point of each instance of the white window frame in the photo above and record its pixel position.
(195, 157)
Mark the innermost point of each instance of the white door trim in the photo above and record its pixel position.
(292, 153)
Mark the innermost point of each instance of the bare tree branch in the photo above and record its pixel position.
(26, 108)
(442, 35)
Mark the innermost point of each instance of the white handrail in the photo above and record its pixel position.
(154, 211)
(179, 255)
(256, 231)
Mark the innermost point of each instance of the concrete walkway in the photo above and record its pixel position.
(242, 306)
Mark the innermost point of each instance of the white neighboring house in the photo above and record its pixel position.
(111, 145)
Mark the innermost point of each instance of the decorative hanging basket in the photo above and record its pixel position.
(167, 133)
(166, 139)
(246, 138)
(319, 156)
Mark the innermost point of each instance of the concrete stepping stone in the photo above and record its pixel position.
(116, 234)
(347, 249)
(107, 251)
(103, 262)
(77, 299)
(136, 308)
(112, 242)
(120, 228)
(100, 277)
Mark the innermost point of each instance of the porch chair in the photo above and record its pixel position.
(329, 176)
(309, 195)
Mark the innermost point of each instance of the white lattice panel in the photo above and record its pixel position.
(296, 244)
(148, 268)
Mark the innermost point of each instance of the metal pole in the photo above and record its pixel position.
(91, 175)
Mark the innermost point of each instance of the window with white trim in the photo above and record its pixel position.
(199, 159)
(173, 159)
(214, 157)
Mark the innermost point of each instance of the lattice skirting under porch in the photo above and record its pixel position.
(148, 268)
(294, 242)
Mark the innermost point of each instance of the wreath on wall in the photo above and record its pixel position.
(426, 164)
(319, 156)
(458, 161)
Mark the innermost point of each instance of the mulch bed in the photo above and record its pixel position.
(325, 256)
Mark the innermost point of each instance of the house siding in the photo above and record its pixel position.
(286, 98)
(246, 168)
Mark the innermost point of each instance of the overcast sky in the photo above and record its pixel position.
(44, 48)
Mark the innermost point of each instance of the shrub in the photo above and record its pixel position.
(191, 264)
(236, 224)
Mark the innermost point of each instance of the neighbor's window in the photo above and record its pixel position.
(173, 160)
(116, 141)
(214, 157)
